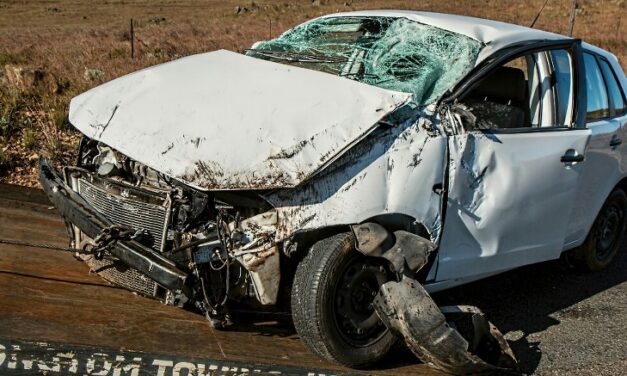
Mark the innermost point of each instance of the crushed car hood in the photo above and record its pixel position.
(222, 120)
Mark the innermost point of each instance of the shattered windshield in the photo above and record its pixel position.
(391, 53)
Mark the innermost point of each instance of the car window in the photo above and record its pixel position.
(530, 91)
(597, 102)
(501, 99)
(392, 53)
(616, 94)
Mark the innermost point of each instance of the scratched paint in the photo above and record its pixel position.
(392, 171)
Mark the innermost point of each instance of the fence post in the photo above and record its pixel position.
(572, 18)
(132, 41)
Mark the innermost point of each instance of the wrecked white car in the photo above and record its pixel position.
(348, 168)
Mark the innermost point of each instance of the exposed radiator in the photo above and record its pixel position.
(128, 212)
(133, 209)
(118, 273)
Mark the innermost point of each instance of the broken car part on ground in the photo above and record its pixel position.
(348, 168)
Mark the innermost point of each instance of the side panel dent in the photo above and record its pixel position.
(393, 171)
(510, 199)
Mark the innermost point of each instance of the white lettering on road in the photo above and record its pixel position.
(191, 369)
(163, 366)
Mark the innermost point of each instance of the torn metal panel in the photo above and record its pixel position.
(393, 170)
(259, 254)
(263, 266)
(406, 308)
(372, 239)
(406, 252)
(222, 120)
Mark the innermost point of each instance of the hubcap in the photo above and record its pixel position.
(608, 231)
(355, 316)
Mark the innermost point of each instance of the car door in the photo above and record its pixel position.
(514, 172)
(606, 118)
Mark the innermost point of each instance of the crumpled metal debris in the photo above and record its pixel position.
(466, 343)
(406, 308)
(406, 252)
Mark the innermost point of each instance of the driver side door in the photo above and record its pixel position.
(514, 171)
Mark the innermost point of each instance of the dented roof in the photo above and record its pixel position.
(222, 120)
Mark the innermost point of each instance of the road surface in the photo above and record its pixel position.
(56, 318)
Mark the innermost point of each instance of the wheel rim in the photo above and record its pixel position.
(355, 317)
(608, 231)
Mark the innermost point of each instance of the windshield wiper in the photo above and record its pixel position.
(294, 57)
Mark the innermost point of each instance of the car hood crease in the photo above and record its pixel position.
(223, 121)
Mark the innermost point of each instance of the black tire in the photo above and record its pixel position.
(605, 237)
(330, 325)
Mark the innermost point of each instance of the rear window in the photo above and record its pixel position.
(597, 102)
(617, 98)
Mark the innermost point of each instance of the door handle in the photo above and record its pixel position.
(615, 141)
(571, 156)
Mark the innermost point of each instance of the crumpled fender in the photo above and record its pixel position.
(406, 252)
(471, 346)
(406, 308)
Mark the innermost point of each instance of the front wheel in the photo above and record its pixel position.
(606, 235)
(332, 296)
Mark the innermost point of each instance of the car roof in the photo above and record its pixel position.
(495, 35)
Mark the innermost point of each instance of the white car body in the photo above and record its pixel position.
(509, 200)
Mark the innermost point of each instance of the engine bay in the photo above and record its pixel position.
(225, 240)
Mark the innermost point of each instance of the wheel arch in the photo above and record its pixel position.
(390, 221)
(622, 184)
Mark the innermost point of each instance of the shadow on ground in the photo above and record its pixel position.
(524, 301)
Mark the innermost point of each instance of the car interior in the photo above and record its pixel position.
(530, 91)
(501, 100)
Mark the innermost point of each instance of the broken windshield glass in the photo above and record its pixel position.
(391, 53)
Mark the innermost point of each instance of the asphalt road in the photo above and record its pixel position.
(558, 321)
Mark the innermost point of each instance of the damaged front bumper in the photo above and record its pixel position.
(75, 210)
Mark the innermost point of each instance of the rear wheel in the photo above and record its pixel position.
(606, 235)
(334, 287)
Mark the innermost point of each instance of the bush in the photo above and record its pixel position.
(30, 139)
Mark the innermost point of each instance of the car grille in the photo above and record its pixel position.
(128, 212)
(138, 211)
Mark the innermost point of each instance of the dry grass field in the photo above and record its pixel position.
(53, 50)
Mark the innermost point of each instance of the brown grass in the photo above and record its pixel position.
(53, 50)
